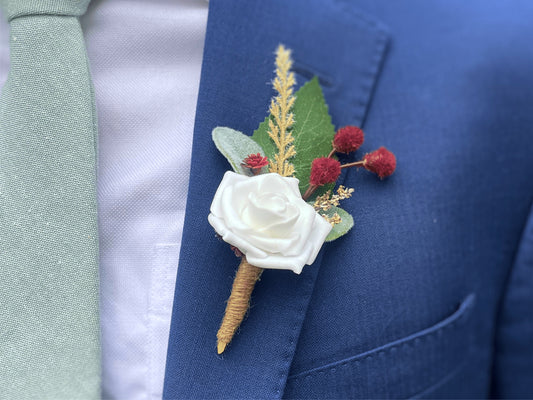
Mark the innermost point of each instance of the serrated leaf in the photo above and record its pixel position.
(235, 146)
(312, 131)
(341, 228)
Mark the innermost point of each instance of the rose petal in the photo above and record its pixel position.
(295, 263)
(229, 237)
(228, 180)
(274, 245)
(321, 230)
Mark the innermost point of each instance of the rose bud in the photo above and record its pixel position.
(255, 162)
(348, 139)
(382, 162)
(324, 170)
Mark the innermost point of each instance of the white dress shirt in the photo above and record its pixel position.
(145, 59)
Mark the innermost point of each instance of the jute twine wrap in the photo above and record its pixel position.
(238, 302)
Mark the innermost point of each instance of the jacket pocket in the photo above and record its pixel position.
(411, 366)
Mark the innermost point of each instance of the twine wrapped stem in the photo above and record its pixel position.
(238, 302)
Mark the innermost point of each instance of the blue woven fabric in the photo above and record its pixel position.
(428, 292)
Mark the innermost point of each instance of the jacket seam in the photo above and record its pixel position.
(414, 340)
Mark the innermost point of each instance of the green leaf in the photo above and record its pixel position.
(341, 228)
(235, 146)
(312, 130)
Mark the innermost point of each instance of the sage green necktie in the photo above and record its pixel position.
(49, 336)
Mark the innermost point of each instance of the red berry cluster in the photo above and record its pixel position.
(348, 139)
(381, 162)
(325, 170)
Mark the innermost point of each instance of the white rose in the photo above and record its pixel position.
(265, 217)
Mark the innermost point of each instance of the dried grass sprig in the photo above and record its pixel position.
(283, 118)
(327, 201)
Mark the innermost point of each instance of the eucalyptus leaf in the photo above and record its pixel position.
(341, 228)
(235, 146)
(313, 132)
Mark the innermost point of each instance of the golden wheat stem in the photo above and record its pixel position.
(280, 108)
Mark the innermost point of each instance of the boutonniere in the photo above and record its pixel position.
(278, 205)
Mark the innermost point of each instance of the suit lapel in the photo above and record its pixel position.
(345, 50)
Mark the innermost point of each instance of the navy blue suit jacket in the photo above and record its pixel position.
(431, 295)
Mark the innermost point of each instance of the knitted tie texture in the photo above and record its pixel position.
(49, 330)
